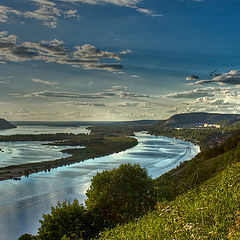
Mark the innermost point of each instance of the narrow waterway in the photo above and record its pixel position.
(22, 203)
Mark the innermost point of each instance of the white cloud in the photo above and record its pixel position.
(113, 92)
(5, 11)
(36, 80)
(148, 12)
(212, 101)
(141, 105)
(90, 52)
(126, 3)
(47, 12)
(135, 76)
(82, 104)
(86, 56)
(122, 3)
(4, 81)
(195, 93)
(229, 78)
(124, 52)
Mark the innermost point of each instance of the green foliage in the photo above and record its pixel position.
(204, 137)
(207, 212)
(27, 236)
(115, 196)
(67, 221)
(95, 146)
(201, 168)
(121, 194)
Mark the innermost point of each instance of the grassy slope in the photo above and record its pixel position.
(207, 212)
(207, 208)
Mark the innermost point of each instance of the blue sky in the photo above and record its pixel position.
(118, 59)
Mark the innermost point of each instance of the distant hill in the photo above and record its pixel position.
(5, 124)
(197, 118)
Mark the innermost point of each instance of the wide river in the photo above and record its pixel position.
(22, 203)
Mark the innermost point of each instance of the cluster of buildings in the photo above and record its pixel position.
(206, 125)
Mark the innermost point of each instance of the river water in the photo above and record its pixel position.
(22, 203)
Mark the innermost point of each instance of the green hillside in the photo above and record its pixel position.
(200, 199)
(210, 211)
(207, 212)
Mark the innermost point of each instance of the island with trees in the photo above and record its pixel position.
(94, 146)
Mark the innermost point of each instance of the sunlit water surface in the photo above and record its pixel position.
(22, 203)
(41, 129)
(15, 153)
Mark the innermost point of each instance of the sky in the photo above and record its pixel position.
(92, 60)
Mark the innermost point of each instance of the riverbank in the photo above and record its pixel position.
(205, 138)
(94, 147)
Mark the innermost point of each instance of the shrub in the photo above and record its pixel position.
(71, 220)
(121, 194)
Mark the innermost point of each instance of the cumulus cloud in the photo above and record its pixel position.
(229, 78)
(47, 12)
(36, 80)
(89, 52)
(86, 56)
(192, 78)
(212, 101)
(212, 104)
(122, 3)
(195, 93)
(5, 11)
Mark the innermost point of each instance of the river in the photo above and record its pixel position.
(22, 203)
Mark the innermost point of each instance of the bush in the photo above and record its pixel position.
(115, 196)
(27, 236)
(71, 220)
(121, 194)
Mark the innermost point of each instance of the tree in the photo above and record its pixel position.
(121, 194)
(67, 220)
(115, 196)
(27, 236)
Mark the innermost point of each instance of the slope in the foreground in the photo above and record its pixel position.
(206, 212)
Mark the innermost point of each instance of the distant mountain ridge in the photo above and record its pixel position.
(4, 124)
(188, 119)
